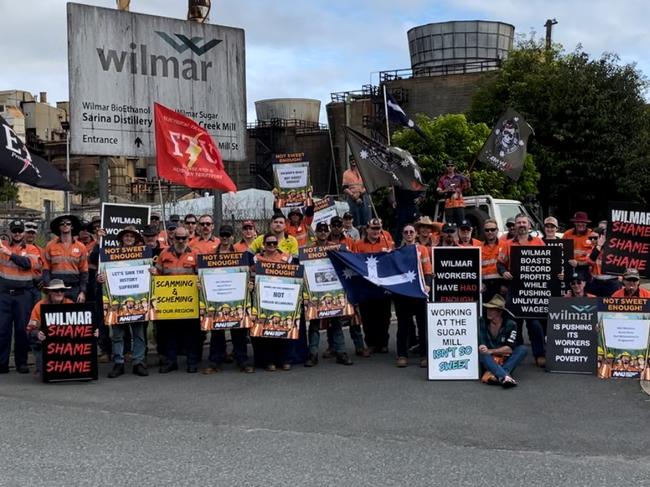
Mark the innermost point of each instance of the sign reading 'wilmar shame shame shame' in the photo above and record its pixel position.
(120, 63)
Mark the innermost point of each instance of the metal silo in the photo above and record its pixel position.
(303, 109)
(476, 43)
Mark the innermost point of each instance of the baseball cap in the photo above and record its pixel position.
(322, 226)
(175, 218)
(149, 231)
(631, 274)
(510, 222)
(171, 225)
(31, 227)
(449, 228)
(17, 225)
(449, 162)
(226, 230)
(551, 220)
(374, 223)
(336, 220)
(577, 277)
(347, 216)
(465, 224)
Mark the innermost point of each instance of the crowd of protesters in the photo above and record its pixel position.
(65, 270)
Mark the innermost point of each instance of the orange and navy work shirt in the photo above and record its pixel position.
(344, 240)
(472, 243)
(171, 263)
(383, 244)
(276, 257)
(489, 258)
(16, 271)
(201, 245)
(424, 256)
(65, 261)
(582, 246)
(353, 181)
(302, 231)
(36, 312)
(241, 246)
(640, 293)
(504, 253)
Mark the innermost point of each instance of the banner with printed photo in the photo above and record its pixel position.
(115, 217)
(127, 289)
(292, 184)
(175, 297)
(624, 338)
(324, 211)
(324, 293)
(224, 291)
(277, 300)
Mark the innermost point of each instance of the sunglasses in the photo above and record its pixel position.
(337, 224)
(272, 243)
(248, 228)
(18, 231)
(595, 237)
(633, 279)
(549, 225)
(490, 229)
(205, 224)
(58, 291)
(575, 282)
(180, 238)
(374, 228)
(65, 224)
(190, 223)
(322, 230)
(155, 219)
(225, 235)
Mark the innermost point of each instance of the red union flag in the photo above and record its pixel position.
(186, 154)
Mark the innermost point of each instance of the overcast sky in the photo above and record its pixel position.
(310, 48)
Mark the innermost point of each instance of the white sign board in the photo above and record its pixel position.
(120, 63)
(453, 341)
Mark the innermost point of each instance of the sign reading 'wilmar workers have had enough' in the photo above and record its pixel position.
(120, 63)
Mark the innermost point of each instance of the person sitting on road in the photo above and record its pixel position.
(631, 286)
(499, 353)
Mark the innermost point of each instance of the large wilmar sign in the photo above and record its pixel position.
(120, 63)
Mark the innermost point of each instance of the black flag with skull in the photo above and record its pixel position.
(505, 148)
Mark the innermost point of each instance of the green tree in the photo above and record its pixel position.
(454, 137)
(8, 190)
(591, 123)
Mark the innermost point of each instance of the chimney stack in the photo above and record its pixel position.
(42, 97)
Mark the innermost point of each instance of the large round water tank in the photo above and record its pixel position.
(288, 109)
(457, 42)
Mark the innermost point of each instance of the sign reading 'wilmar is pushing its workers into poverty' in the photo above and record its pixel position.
(120, 63)
(535, 273)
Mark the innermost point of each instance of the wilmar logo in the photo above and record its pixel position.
(187, 43)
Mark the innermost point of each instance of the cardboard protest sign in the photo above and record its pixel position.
(572, 335)
(453, 341)
(70, 347)
(292, 184)
(456, 274)
(126, 292)
(225, 301)
(624, 338)
(535, 270)
(174, 297)
(324, 293)
(566, 246)
(277, 300)
(116, 217)
(324, 211)
(628, 239)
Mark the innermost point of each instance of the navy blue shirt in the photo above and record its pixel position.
(507, 335)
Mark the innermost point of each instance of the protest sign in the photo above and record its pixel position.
(325, 296)
(566, 246)
(292, 183)
(628, 239)
(572, 336)
(126, 291)
(535, 270)
(116, 217)
(174, 297)
(277, 300)
(453, 341)
(225, 299)
(324, 211)
(456, 274)
(624, 338)
(70, 346)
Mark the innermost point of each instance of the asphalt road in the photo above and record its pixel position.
(370, 424)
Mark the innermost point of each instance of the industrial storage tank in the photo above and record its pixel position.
(304, 109)
(477, 42)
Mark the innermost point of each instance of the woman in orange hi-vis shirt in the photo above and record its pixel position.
(407, 308)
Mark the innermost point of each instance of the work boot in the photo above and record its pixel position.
(343, 359)
(312, 360)
(141, 370)
(402, 362)
(165, 369)
(116, 371)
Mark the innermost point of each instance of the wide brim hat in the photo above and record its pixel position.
(497, 302)
(134, 231)
(580, 217)
(425, 221)
(56, 285)
(54, 224)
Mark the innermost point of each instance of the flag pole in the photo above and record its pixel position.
(386, 114)
(162, 206)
